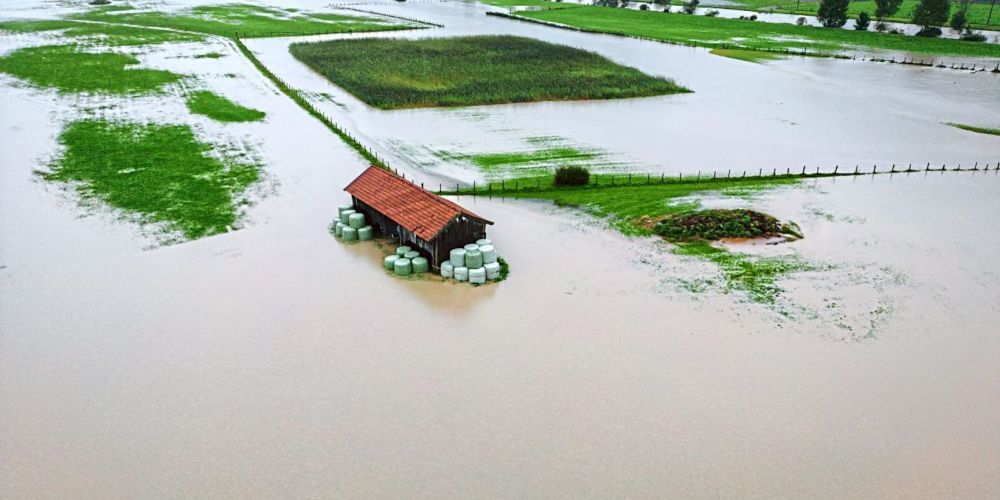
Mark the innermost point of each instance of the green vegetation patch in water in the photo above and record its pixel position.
(465, 71)
(248, 20)
(219, 108)
(160, 173)
(754, 56)
(755, 275)
(102, 34)
(717, 224)
(69, 69)
(978, 130)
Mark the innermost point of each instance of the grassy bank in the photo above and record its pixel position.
(753, 56)
(221, 109)
(71, 69)
(714, 32)
(465, 71)
(159, 173)
(249, 20)
(978, 130)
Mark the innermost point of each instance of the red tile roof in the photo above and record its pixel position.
(417, 210)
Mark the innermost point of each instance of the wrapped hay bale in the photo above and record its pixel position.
(462, 273)
(356, 220)
(390, 262)
(402, 266)
(338, 229)
(412, 254)
(473, 259)
(349, 233)
(342, 208)
(366, 233)
(457, 257)
(477, 275)
(489, 254)
(401, 251)
(345, 216)
(484, 242)
(447, 270)
(471, 246)
(492, 271)
(420, 265)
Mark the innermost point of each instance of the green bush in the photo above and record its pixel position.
(572, 176)
(716, 224)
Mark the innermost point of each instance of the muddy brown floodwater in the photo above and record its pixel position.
(275, 361)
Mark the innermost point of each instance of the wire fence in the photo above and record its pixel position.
(371, 12)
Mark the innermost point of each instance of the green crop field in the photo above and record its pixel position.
(713, 32)
(464, 71)
(160, 173)
(219, 108)
(251, 20)
(70, 69)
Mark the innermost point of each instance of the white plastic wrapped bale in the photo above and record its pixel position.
(462, 273)
(484, 242)
(412, 254)
(345, 216)
(338, 229)
(447, 270)
(342, 208)
(471, 247)
(402, 266)
(401, 251)
(492, 271)
(420, 265)
(473, 259)
(390, 262)
(349, 233)
(457, 257)
(356, 220)
(489, 254)
(365, 233)
(477, 275)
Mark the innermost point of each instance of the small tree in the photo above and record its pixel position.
(832, 13)
(690, 6)
(958, 20)
(885, 9)
(606, 3)
(862, 22)
(571, 175)
(930, 14)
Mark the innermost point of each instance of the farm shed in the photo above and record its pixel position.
(398, 209)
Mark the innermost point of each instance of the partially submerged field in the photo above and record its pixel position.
(466, 71)
(714, 31)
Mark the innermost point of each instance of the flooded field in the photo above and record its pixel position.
(277, 361)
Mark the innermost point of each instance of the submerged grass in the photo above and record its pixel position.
(70, 69)
(249, 20)
(463, 71)
(715, 31)
(754, 56)
(102, 34)
(219, 108)
(160, 173)
(755, 275)
(978, 130)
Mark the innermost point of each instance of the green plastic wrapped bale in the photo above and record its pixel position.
(484, 242)
(473, 259)
(342, 208)
(401, 251)
(471, 246)
(492, 271)
(344, 216)
(349, 233)
(365, 233)
(457, 257)
(402, 266)
(462, 273)
(420, 265)
(489, 254)
(338, 229)
(356, 220)
(412, 254)
(390, 262)
(447, 270)
(477, 275)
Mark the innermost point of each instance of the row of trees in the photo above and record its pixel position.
(929, 14)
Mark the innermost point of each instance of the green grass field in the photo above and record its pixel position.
(160, 173)
(466, 71)
(713, 32)
(977, 13)
(978, 130)
(221, 109)
(101, 34)
(249, 20)
(70, 69)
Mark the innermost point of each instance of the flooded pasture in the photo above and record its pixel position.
(277, 361)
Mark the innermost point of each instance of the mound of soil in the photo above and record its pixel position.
(722, 223)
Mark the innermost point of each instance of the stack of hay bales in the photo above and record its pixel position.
(351, 225)
(406, 261)
(476, 263)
